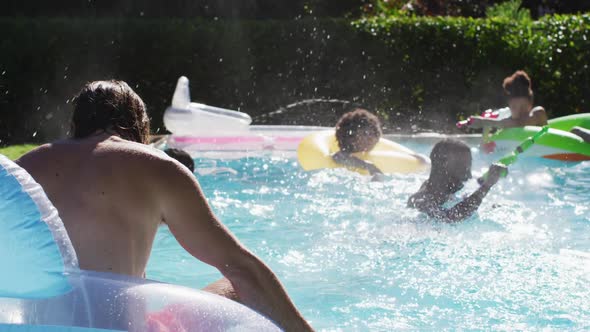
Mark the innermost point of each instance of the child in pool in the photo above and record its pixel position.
(181, 156)
(357, 131)
(519, 93)
(451, 167)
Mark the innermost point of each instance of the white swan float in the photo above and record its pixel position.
(199, 128)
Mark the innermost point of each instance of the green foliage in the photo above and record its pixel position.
(387, 8)
(510, 10)
(235, 9)
(462, 61)
(465, 8)
(422, 72)
(16, 151)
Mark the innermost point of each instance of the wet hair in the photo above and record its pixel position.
(518, 85)
(358, 131)
(443, 151)
(183, 157)
(110, 105)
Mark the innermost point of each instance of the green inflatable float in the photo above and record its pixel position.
(558, 143)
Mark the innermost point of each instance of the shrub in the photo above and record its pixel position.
(415, 72)
(511, 10)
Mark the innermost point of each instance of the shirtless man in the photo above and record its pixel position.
(112, 191)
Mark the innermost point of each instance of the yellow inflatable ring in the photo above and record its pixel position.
(315, 152)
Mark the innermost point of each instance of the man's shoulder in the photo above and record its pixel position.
(538, 116)
(36, 155)
(113, 150)
(132, 150)
(142, 158)
(145, 157)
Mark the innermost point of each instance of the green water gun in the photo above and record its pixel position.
(510, 158)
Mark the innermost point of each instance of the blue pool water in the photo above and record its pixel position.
(353, 257)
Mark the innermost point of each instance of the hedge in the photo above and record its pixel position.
(235, 9)
(416, 73)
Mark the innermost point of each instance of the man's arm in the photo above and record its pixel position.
(481, 122)
(537, 117)
(469, 205)
(190, 219)
(431, 204)
(354, 162)
(462, 210)
(434, 209)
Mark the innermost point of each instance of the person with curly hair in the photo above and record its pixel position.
(357, 131)
(519, 94)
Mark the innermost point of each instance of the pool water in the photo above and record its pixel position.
(353, 257)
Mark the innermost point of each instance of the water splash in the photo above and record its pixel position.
(353, 257)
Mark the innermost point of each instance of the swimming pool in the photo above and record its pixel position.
(353, 257)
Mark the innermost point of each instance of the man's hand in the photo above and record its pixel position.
(373, 170)
(494, 174)
(476, 122)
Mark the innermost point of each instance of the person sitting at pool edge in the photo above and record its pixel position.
(518, 91)
(357, 131)
(183, 157)
(451, 167)
(112, 191)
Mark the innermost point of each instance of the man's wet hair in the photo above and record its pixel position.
(518, 85)
(443, 151)
(182, 156)
(110, 106)
(353, 126)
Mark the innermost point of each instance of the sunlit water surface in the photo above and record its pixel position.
(353, 257)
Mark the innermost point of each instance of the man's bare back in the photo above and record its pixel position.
(99, 187)
(112, 192)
